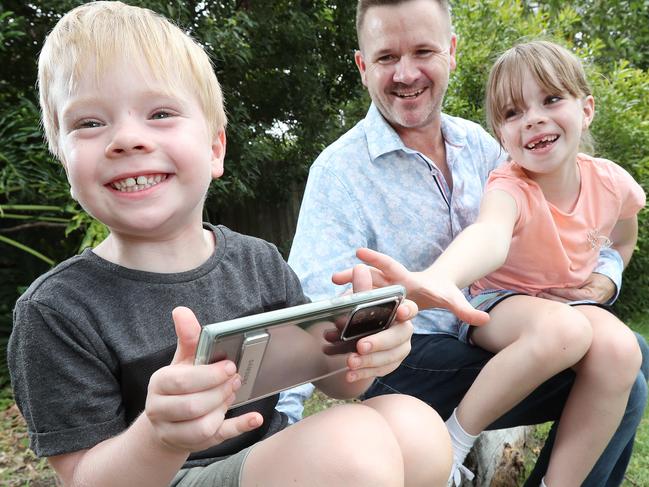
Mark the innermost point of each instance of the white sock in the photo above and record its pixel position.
(543, 483)
(461, 440)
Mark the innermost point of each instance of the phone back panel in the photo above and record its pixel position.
(281, 349)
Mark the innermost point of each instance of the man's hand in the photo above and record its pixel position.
(426, 289)
(597, 287)
(186, 404)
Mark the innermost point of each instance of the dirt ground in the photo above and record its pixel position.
(18, 465)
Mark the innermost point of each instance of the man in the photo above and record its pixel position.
(405, 181)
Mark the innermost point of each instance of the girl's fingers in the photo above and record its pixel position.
(384, 263)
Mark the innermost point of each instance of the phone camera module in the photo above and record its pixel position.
(368, 320)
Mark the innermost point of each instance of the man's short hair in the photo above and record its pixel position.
(364, 5)
(95, 35)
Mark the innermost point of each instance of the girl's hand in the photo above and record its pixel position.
(424, 288)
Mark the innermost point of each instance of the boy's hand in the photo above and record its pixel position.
(186, 404)
(422, 287)
(381, 353)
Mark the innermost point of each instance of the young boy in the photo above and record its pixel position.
(133, 110)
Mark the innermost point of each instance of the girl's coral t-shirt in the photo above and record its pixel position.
(551, 248)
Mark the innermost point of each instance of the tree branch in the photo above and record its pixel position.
(29, 226)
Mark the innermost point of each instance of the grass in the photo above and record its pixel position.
(20, 468)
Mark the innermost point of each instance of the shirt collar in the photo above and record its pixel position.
(383, 139)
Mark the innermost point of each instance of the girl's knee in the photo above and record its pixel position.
(616, 356)
(562, 335)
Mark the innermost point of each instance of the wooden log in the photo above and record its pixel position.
(497, 458)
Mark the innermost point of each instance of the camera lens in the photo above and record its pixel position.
(369, 320)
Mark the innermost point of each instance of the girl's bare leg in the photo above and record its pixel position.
(533, 339)
(597, 400)
(388, 441)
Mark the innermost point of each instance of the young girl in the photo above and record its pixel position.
(543, 219)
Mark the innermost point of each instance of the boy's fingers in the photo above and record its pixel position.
(187, 330)
(389, 339)
(235, 426)
(186, 407)
(187, 379)
(407, 310)
(386, 356)
(361, 278)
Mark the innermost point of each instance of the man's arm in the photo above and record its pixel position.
(602, 286)
(329, 230)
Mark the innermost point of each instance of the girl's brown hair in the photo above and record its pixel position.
(555, 68)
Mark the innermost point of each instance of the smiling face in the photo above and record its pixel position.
(139, 155)
(542, 131)
(407, 52)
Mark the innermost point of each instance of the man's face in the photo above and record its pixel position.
(407, 52)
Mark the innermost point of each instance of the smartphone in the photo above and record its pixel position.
(280, 349)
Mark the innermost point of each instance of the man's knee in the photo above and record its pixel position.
(638, 397)
(644, 349)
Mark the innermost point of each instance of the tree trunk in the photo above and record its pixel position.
(497, 458)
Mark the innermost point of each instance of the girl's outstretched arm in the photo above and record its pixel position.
(481, 248)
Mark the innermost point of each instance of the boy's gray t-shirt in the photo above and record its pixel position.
(88, 335)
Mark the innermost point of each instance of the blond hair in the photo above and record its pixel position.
(555, 69)
(95, 35)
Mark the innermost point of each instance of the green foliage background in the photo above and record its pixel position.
(291, 88)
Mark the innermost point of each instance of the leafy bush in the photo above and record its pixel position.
(621, 130)
(291, 91)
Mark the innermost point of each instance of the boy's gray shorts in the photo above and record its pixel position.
(224, 473)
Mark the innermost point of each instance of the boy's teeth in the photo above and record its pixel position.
(139, 183)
